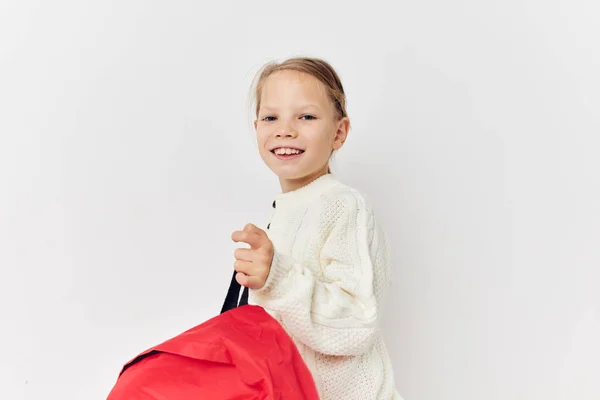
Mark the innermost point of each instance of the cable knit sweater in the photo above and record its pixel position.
(328, 279)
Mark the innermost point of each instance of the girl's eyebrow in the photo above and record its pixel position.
(301, 107)
(309, 105)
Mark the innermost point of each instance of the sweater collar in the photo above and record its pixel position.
(307, 192)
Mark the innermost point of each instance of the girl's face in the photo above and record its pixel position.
(297, 128)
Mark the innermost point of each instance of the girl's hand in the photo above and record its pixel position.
(253, 264)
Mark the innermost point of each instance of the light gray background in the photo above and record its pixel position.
(127, 159)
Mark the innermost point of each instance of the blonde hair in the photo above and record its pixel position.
(315, 67)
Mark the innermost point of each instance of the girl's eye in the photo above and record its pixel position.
(269, 118)
(308, 117)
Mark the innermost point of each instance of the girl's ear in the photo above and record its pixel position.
(255, 123)
(343, 127)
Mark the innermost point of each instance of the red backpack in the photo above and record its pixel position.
(243, 353)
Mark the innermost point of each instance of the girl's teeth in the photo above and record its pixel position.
(286, 151)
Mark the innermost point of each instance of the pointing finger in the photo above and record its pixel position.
(251, 238)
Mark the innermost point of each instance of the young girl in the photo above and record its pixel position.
(322, 267)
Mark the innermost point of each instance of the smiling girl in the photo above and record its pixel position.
(322, 266)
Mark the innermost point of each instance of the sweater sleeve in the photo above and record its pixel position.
(333, 310)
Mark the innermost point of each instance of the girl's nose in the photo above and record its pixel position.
(287, 130)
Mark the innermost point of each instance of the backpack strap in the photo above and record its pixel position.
(233, 294)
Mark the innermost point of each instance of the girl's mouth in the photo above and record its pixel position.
(286, 153)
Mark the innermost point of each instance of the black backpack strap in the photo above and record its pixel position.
(233, 293)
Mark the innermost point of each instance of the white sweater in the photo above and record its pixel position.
(328, 280)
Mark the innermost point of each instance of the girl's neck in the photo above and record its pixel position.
(289, 185)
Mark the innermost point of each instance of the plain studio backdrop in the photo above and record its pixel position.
(127, 159)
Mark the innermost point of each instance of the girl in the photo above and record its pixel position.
(322, 268)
